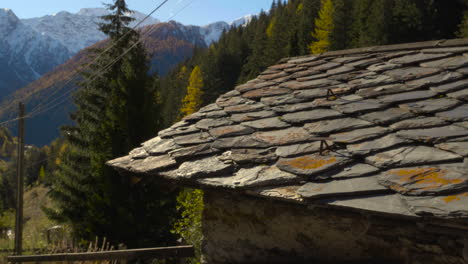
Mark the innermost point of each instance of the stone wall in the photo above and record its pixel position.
(242, 229)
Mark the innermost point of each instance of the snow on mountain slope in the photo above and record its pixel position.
(212, 32)
(80, 30)
(243, 21)
(25, 54)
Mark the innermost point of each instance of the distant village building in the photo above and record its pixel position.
(351, 155)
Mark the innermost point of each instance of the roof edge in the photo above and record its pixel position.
(394, 47)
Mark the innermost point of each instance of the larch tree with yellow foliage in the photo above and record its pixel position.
(323, 28)
(193, 99)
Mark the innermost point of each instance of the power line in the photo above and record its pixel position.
(105, 51)
(79, 71)
(98, 74)
(37, 111)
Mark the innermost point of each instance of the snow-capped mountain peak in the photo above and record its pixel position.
(243, 21)
(92, 12)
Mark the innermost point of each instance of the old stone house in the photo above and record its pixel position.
(348, 155)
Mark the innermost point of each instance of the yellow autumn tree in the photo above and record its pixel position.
(323, 28)
(193, 99)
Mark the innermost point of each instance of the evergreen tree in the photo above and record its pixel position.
(323, 28)
(115, 113)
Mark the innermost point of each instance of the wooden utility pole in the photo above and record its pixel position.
(19, 184)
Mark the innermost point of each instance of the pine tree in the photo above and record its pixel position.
(193, 99)
(115, 113)
(323, 28)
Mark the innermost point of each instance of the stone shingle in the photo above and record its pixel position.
(328, 127)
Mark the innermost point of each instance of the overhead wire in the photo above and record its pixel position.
(47, 107)
(79, 71)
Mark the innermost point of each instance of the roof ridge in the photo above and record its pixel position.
(443, 43)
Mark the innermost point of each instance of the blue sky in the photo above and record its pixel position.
(199, 12)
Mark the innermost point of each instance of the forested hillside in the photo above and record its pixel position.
(297, 28)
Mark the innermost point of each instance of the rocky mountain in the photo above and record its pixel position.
(80, 30)
(25, 54)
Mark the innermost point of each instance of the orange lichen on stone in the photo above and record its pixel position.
(456, 197)
(309, 163)
(431, 177)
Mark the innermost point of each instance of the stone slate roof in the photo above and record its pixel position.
(381, 129)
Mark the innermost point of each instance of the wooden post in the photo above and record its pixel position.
(19, 184)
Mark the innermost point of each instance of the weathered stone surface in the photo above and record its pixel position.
(453, 50)
(193, 151)
(238, 142)
(225, 102)
(430, 106)
(372, 80)
(243, 108)
(208, 123)
(382, 90)
(266, 124)
(272, 76)
(348, 59)
(461, 95)
(434, 135)
(304, 73)
(340, 188)
(450, 87)
(167, 133)
(319, 77)
(250, 156)
(448, 206)
(385, 66)
(434, 80)
(418, 58)
(299, 149)
(451, 63)
(461, 148)
(244, 117)
(325, 127)
(426, 180)
(152, 142)
(162, 147)
(269, 91)
(151, 164)
(193, 139)
(295, 69)
(229, 131)
(375, 145)
(457, 114)
(356, 170)
(204, 168)
(212, 107)
(387, 116)
(282, 66)
(138, 153)
(194, 117)
(462, 124)
(310, 93)
(409, 96)
(326, 66)
(413, 155)
(383, 203)
(311, 165)
(410, 73)
(296, 85)
(419, 122)
(280, 100)
(286, 193)
(228, 95)
(339, 70)
(124, 162)
(289, 108)
(358, 135)
(283, 137)
(245, 87)
(302, 60)
(215, 114)
(254, 177)
(361, 106)
(364, 63)
(312, 115)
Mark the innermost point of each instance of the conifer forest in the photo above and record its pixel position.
(127, 105)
